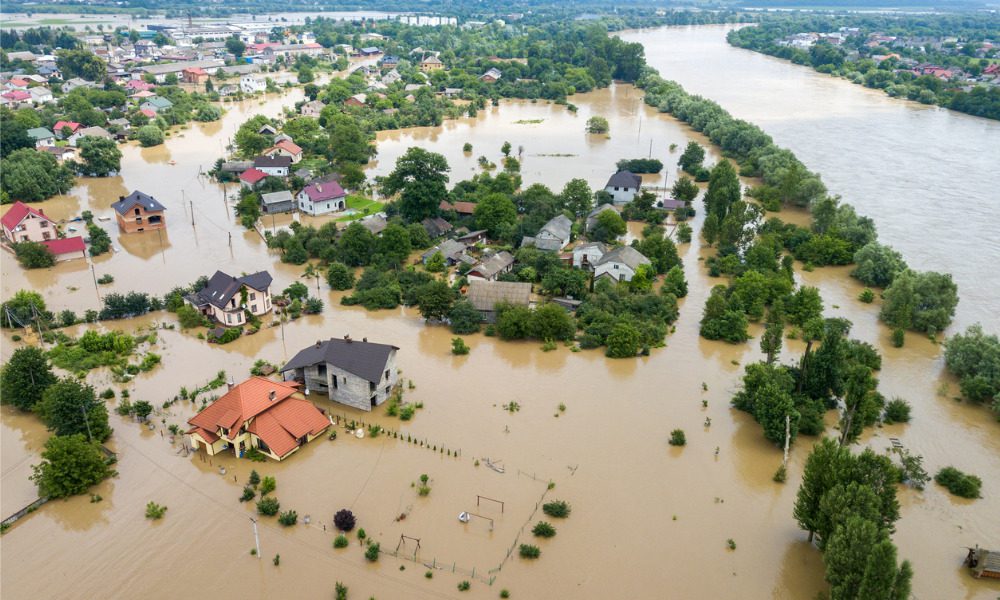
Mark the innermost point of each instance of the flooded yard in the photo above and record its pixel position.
(648, 520)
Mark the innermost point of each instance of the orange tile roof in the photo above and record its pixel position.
(279, 422)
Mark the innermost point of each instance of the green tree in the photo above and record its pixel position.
(81, 63)
(235, 46)
(189, 317)
(356, 245)
(100, 241)
(823, 470)
(420, 177)
(692, 158)
(577, 196)
(496, 214)
(394, 244)
(770, 342)
(723, 190)
(877, 265)
(675, 282)
(436, 264)
(552, 322)
(25, 378)
(31, 176)
(435, 299)
(804, 305)
(348, 143)
(922, 301)
(101, 156)
(297, 291)
(565, 282)
(70, 465)
(685, 189)
(23, 309)
(974, 357)
(69, 407)
(418, 236)
(464, 317)
(660, 250)
(598, 124)
(624, 341)
(513, 322)
(248, 139)
(33, 255)
(248, 209)
(505, 149)
(339, 276)
(608, 226)
(860, 563)
(149, 135)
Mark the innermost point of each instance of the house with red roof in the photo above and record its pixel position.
(251, 177)
(272, 417)
(62, 126)
(322, 197)
(67, 248)
(138, 85)
(194, 75)
(16, 98)
(285, 148)
(21, 223)
(462, 208)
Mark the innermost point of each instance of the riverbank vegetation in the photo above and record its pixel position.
(941, 59)
(974, 357)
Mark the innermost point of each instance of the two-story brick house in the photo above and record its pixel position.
(139, 212)
(360, 374)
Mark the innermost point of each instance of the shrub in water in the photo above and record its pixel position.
(268, 506)
(288, 518)
(267, 486)
(529, 551)
(372, 552)
(543, 529)
(340, 541)
(344, 520)
(155, 511)
(248, 494)
(464, 586)
(677, 437)
(867, 296)
(959, 483)
(897, 410)
(558, 509)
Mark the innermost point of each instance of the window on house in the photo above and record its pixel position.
(371, 386)
(253, 296)
(387, 374)
(45, 223)
(229, 318)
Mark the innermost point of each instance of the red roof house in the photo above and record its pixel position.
(21, 223)
(285, 148)
(138, 85)
(251, 177)
(462, 208)
(67, 248)
(60, 125)
(269, 416)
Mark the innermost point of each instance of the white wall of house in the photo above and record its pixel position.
(274, 171)
(616, 270)
(591, 253)
(32, 229)
(319, 208)
(251, 85)
(622, 195)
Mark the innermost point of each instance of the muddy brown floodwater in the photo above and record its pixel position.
(648, 520)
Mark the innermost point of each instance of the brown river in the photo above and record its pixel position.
(648, 520)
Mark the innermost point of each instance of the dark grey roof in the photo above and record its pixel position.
(272, 161)
(436, 227)
(127, 203)
(222, 287)
(559, 226)
(490, 267)
(626, 179)
(626, 255)
(364, 359)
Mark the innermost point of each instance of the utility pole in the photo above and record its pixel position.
(192, 212)
(93, 273)
(788, 424)
(256, 537)
(86, 420)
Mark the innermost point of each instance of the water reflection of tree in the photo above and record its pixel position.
(801, 571)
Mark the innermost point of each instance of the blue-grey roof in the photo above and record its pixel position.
(137, 198)
(625, 179)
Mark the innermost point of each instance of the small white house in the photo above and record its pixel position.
(322, 197)
(275, 166)
(251, 84)
(586, 255)
(623, 186)
(620, 264)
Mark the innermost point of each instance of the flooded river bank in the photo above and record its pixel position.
(648, 520)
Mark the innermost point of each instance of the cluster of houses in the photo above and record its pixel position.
(990, 75)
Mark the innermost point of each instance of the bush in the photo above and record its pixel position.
(34, 255)
(248, 494)
(959, 483)
(267, 486)
(340, 541)
(268, 506)
(543, 529)
(898, 337)
(558, 509)
(149, 135)
(677, 438)
(463, 586)
(597, 124)
(344, 520)
(288, 518)
(340, 591)
(372, 552)
(459, 347)
(154, 511)
(339, 276)
(867, 296)
(897, 410)
(529, 551)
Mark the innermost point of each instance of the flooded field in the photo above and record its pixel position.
(648, 520)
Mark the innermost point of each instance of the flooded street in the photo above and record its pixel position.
(648, 520)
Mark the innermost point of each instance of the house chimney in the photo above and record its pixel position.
(365, 340)
(272, 395)
(230, 384)
(318, 343)
(347, 338)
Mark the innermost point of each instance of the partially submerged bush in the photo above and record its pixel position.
(340, 541)
(897, 410)
(677, 438)
(543, 529)
(959, 483)
(344, 520)
(155, 511)
(268, 506)
(288, 518)
(558, 509)
(529, 551)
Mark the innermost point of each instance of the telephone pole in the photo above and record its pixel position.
(256, 537)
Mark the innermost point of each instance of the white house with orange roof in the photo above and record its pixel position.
(285, 148)
(272, 417)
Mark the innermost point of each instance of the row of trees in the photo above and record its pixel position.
(72, 460)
